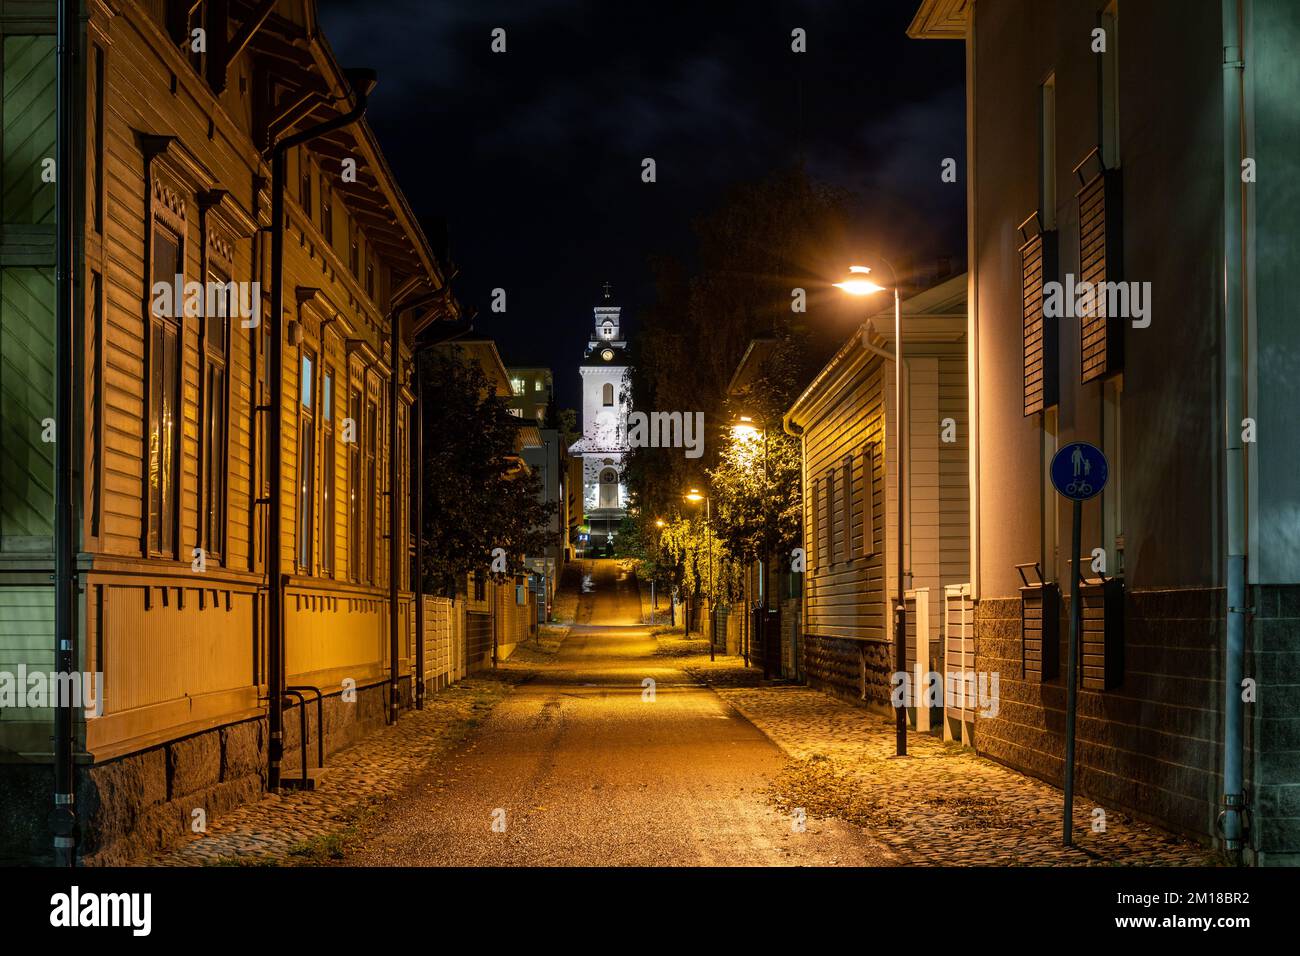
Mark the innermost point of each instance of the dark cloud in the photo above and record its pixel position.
(532, 158)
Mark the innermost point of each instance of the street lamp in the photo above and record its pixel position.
(695, 496)
(858, 283)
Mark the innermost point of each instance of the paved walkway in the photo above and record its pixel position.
(315, 826)
(942, 805)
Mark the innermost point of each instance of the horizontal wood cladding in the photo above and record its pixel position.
(846, 473)
(1101, 336)
(1101, 635)
(1040, 617)
(1038, 258)
(178, 648)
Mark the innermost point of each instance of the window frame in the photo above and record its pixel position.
(304, 537)
(328, 479)
(166, 212)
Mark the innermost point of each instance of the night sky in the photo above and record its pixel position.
(528, 163)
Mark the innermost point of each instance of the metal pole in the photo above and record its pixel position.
(63, 816)
(1071, 684)
(900, 610)
(360, 82)
(1235, 405)
(713, 598)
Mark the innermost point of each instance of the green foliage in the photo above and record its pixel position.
(757, 499)
(477, 495)
(767, 239)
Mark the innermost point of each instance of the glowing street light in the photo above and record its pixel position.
(857, 283)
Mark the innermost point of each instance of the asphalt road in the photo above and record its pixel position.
(583, 766)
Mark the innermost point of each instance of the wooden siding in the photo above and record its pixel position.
(844, 595)
(183, 650)
(1039, 333)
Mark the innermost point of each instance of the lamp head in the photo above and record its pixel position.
(857, 282)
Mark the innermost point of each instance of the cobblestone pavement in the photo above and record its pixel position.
(310, 827)
(941, 805)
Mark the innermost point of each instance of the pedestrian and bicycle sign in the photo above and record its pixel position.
(1079, 471)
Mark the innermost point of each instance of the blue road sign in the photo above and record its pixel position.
(1079, 471)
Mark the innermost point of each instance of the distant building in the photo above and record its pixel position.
(606, 400)
(531, 391)
(849, 433)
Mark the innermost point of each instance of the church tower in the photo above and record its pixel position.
(605, 404)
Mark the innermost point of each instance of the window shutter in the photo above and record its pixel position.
(1101, 340)
(1038, 265)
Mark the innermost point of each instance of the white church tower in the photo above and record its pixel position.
(605, 404)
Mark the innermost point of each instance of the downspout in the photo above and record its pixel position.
(63, 816)
(394, 538)
(1235, 485)
(361, 82)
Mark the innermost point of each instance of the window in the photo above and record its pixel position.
(326, 212)
(607, 330)
(607, 395)
(215, 403)
(304, 193)
(538, 385)
(97, 150)
(1047, 496)
(1047, 152)
(370, 279)
(480, 586)
(164, 425)
(1112, 496)
(327, 472)
(814, 526)
(371, 489)
(355, 500)
(517, 386)
(27, 284)
(354, 256)
(306, 460)
(846, 505)
(869, 500)
(1108, 111)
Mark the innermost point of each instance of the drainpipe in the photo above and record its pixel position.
(1235, 484)
(361, 83)
(394, 538)
(63, 816)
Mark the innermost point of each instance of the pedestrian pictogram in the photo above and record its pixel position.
(1079, 471)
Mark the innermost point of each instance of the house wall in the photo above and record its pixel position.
(1152, 743)
(847, 630)
(183, 650)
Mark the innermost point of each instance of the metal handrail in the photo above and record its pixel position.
(320, 719)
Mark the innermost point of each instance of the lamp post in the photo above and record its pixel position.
(695, 496)
(857, 283)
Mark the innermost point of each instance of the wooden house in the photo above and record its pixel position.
(846, 422)
(174, 471)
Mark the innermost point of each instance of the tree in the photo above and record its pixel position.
(768, 238)
(478, 495)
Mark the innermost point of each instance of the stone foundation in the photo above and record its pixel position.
(1152, 743)
(856, 671)
(146, 801)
